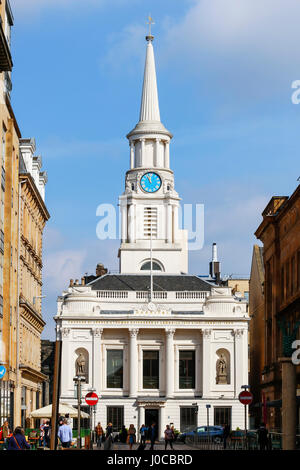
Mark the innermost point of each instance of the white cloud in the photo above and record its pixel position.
(237, 44)
(61, 266)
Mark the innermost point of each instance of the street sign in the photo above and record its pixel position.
(2, 371)
(246, 397)
(91, 398)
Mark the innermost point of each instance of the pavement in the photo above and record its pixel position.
(158, 446)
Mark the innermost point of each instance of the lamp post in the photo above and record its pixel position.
(78, 380)
(207, 409)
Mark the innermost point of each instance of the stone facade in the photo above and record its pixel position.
(279, 232)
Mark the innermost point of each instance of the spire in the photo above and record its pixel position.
(149, 119)
(149, 104)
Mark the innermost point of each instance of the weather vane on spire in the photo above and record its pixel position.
(150, 22)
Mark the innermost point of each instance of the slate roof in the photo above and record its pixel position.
(139, 282)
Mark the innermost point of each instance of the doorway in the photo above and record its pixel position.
(152, 416)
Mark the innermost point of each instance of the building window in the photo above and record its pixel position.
(147, 266)
(287, 279)
(150, 369)
(3, 179)
(115, 368)
(186, 369)
(222, 415)
(1, 306)
(150, 222)
(188, 418)
(115, 415)
(2, 241)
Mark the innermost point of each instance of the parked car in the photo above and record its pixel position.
(215, 433)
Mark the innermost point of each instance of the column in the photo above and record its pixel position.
(142, 152)
(169, 223)
(169, 362)
(67, 363)
(289, 405)
(240, 366)
(141, 421)
(167, 155)
(175, 226)
(162, 424)
(131, 155)
(124, 221)
(133, 362)
(97, 363)
(198, 371)
(206, 362)
(156, 158)
(131, 223)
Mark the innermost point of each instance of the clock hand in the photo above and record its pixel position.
(149, 178)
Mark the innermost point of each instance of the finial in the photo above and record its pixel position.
(150, 22)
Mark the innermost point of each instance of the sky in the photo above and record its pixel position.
(225, 71)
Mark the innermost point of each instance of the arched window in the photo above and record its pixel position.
(147, 266)
(222, 367)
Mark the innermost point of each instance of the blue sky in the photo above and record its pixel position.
(225, 70)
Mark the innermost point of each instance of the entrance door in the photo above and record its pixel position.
(152, 416)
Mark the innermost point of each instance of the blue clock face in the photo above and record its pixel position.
(150, 182)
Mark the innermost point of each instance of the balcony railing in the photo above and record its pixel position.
(144, 296)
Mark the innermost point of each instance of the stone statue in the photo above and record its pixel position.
(80, 365)
(221, 370)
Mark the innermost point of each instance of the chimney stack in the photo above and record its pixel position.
(214, 265)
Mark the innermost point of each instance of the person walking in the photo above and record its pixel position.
(152, 435)
(65, 435)
(131, 436)
(46, 442)
(108, 436)
(123, 435)
(226, 434)
(262, 433)
(17, 441)
(143, 434)
(99, 434)
(169, 437)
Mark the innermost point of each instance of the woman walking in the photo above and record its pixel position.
(131, 436)
(169, 437)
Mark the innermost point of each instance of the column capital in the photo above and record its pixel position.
(133, 332)
(97, 332)
(65, 332)
(206, 332)
(237, 333)
(170, 332)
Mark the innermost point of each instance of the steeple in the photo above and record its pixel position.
(149, 119)
(149, 104)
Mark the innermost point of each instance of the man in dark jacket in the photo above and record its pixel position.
(153, 435)
(17, 441)
(262, 433)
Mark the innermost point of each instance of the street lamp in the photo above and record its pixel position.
(78, 380)
(207, 409)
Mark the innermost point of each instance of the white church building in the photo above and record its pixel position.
(158, 344)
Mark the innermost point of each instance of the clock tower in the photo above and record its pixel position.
(149, 206)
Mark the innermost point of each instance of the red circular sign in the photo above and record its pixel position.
(246, 397)
(91, 398)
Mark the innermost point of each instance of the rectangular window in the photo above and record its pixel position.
(293, 276)
(1, 306)
(150, 222)
(188, 419)
(222, 415)
(114, 368)
(115, 415)
(186, 369)
(2, 241)
(150, 369)
(287, 279)
(3, 179)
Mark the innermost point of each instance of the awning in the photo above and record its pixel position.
(46, 412)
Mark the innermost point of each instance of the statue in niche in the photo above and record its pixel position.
(221, 370)
(80, 365)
